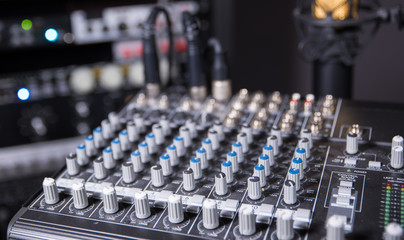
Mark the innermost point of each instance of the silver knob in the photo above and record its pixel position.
(110, 200)
(268, 150)
(259, 171)
(80, 199)
(166, 164)
(207, 145)
(306, 133)
(50, 191)
(264, 161)
(109, 162)
(254, 188)
(276, 131)
(144, 152)
(289, 192)
(294, 175)
(242, 138)
(136, 161)
(397, 141)
(151, 143)
(157, 176)
(99, 140)
(393, 231)
(179, 144)
(218, 127)
(246, 219)
(232, 157)
(165, 124)
(188, 180)
(139, 121)
(90, 146)
(351, 143)
(213, 136)
(284, 226)
(128, 175)
(220, 184)
(114, 120)
(191, 125)
(304, 143)
(301, 153)
(248, 131)
(273, 141)
(116, 149)
(195, 165)
(201, 154)
(72, 166)
(210, 216)
(124, 139)
(335, 228)
(142, 208)
(106, 129)
(396, 160)
(99, 170)
(297, 163)
(175, 211)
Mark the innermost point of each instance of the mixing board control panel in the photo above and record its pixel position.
(261, 166)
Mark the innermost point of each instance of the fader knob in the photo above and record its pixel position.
(128, 175)
(142, 208)
(289, 192)
(220, 184)
(246, 221)
(393, 231)
(210, 216)
(396, 160)
(335, 228)
(352, 143)
(157, 176)
(188, 180)
(80, 199)
(397, 141)
(284, 226)
(276, 131)
(273, 141)
(50, 191)
(72, 166)
(254, 188)
(175, 211)
(110, 200)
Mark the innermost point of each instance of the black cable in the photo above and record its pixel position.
(150, 57)
(220, 69)
(196, 77)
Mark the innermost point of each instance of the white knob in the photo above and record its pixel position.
(273, 141)
(393, 231)
(133, 133)
(297, 163)
(396, 160)
(397, 141)
(335, 228)
(218, 127)
(213, 136)
(188, 180)
(106, 129)
(90, 146)
(289, 192)
(81, 154)
(207, 145)
(151, 143)
(99, 140)
(259, 171)
(175, 211)
(139, 121)
(144, 152)
(201, 154)
(128, 175)
(72, 166)
(351, 143)
(195, 165)
(238, 148)
(210, 216)
(306, 133)
(246, 219)
(284, 226)
(172, 152)
(50, 191)
(157, 130)
(232, 157)
(142, 208)
(264, 161)
(124, 139)
(136, 161)
(80, 199)
(254, 188)
(305, 143)
(191, 125)
(294, 175)
(109, 162)
(268, 150)
(227, 169)
(165, 124)
(114, 120)
(186, 135)
(276, 131)
(116, 149)
(242, 138)
(220, 184)
(248, 131)
(179, 144)
(166, 164)
(301, 153)
(110, 200)
(99, 170)
(157, 176)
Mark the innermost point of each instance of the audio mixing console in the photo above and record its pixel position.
(259, 166)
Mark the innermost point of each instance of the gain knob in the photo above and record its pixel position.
(110, 200)
(289, 192)
(142, 208)
(157, 176)
(396, 160)
(175, 211)
(80, 199)
(72, 166)
(254, 188)
(220, 184)
(210, 216)
(50, 191)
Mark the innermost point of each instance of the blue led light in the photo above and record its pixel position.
(51, 35)
(23, 94)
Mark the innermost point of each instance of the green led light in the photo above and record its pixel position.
(26, 24)
(348, 170)
(388, 200)
(387, 206)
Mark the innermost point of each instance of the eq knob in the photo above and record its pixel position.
(396, 160)
(276, 131)
(246, 219)
(80, 199)
(284, 226)
(227, 169)
(157, 176)
(294, 175)
(210, 216)
(100, 172)
(50, 191)
(289, 192)
(352, 143)
(273, 141)
(220, 184)
(72, 166)
(110, 200)
(259, 171)
(128, 174)
(188, 180)
(393, 231)
(207, 145)
(136, 159)
(172, 152)
(142, 208)
(242, 138)
(175, 211)
(254, 188)
(335, 228)
(195, 164)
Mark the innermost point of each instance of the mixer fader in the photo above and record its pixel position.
(260, 166)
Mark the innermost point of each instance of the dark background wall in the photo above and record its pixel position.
(262, 43)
